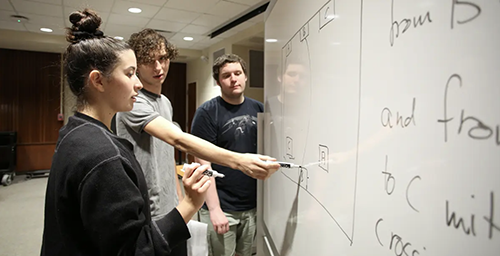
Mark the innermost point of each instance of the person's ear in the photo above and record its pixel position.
(137, 70)
(96, 80)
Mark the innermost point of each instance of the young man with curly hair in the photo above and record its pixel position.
(150, 129)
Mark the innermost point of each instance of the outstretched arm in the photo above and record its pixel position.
(253, 165)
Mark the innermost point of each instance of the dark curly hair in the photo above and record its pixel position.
(89, 50)
(147, 42)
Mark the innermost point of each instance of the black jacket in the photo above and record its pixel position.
(97, 200)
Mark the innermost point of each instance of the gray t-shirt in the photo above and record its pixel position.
(155, 156)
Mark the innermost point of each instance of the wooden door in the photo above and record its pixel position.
(191, 108)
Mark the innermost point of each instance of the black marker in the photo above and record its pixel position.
(209, 173)
(285, 164)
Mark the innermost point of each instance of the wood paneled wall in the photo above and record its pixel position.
(30, 103)
(174, 88)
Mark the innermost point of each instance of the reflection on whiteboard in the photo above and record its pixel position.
(392, 109)
(303, 86)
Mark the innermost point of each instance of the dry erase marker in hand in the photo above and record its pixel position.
(285, 164)
(209, 173)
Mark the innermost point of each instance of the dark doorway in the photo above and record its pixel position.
(191, 108)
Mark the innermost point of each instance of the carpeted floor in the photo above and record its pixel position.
(21, 216)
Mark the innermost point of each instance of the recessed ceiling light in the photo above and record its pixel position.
(188, 38)
(134, 10)
(118, 37)
(271, 40)
(48, 30)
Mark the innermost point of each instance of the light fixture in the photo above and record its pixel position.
(134, 10)
(48, 30)
(188, 38)
(271, 40)
(118, 37)
(19, 18)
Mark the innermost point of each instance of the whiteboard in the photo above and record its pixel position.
(393, 109)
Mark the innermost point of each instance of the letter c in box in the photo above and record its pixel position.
(326, 14)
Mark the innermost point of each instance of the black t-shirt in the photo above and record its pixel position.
(233, 127)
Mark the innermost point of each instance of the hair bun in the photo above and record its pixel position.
(75, 17)
(85, 26)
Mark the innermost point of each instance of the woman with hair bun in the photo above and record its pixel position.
(97, 199)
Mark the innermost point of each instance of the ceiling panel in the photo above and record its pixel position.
(210, 41)
(227, 9)
(148, 11)
(194, 18)
(243, 26)
(209, 20)
(196, 30)
(56, 2)
(10, 25)
(177, 15)
(191, 5)
(179, 37)
(101, 6)
(5, 5)
(118, 30)
(246, 2)
(166, 34)
(38, 8)
(128, 20)
(166, 25)
(45, 21)
(5, 15)
(179, 42)
(36, 29)
(228, 33)
(150, 2)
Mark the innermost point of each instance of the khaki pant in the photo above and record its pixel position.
(238, 240)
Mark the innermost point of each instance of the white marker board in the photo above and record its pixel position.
(393, 107)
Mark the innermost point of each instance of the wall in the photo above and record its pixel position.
(200, 71)
(243, 52)
(69, 102)
(29, 41)
(174, 88)
(30, 103)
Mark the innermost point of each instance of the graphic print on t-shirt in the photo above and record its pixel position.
(240, 125)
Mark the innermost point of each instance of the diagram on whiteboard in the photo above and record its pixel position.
(389, 109)
(314, 84)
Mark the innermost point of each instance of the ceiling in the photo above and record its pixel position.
(178, 18)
